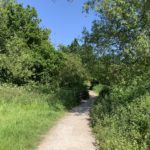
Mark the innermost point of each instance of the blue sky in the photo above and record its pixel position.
(65, 19)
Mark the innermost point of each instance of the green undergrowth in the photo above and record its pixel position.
(26, 114)
(97, 88)
(121, 118)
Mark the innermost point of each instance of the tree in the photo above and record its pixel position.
(122, 31)
(25, 51)
(74, 46)
(73, 73)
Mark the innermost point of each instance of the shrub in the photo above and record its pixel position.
(121, 118)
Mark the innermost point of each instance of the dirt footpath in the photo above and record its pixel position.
(72, 132)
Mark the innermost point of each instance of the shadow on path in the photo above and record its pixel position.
(85, 105)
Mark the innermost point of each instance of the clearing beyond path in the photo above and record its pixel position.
(72, 132)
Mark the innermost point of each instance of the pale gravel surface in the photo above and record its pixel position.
(72, 132)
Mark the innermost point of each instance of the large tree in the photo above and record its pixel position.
(122, 31)
(25, 50)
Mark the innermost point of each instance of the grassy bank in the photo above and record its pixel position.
(25, 115)
(121, 120)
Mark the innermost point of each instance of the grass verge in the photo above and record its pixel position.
(26, 115)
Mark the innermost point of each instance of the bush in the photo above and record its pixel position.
(121, 118)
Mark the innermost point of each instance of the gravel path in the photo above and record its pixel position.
(72, 132)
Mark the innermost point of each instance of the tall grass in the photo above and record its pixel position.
(25, 115)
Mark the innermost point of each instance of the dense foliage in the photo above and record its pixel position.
(27, 55)
(121, 38)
